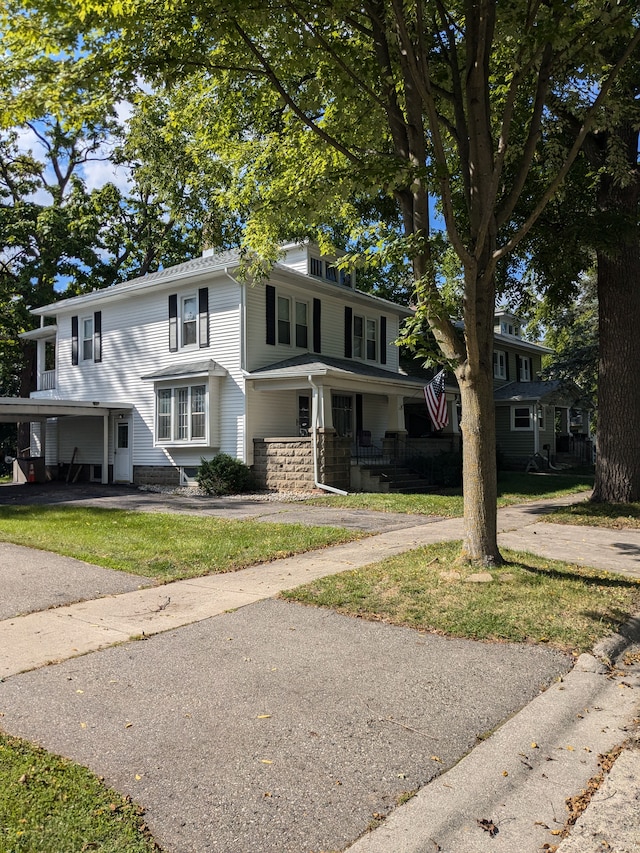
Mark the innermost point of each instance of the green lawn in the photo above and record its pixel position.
(598, 515)
(513, 488)
(50, 805)
(529, 599)
(160, 545)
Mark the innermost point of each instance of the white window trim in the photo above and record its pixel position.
(532, 414)
(173, 440)
(500, 364)
(181, 320)
(86, 338)
(365, 338)
(526, 369)
(293, 302)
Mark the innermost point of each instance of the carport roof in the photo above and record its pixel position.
(23, 409)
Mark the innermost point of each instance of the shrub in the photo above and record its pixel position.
(224, 475)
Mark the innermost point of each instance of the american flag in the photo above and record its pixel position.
(436, 401)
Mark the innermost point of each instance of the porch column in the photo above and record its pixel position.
(41, 364)
(322, 414)
(395, 415)
(105, 449)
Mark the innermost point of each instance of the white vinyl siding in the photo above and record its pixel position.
(136, 329)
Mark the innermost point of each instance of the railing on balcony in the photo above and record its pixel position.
(47, 380)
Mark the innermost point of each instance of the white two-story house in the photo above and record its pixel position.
(139, 381)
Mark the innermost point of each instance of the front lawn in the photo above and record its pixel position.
(528, 600)
(160, 545)
(617, 516)
(50, 805)
(513, 488)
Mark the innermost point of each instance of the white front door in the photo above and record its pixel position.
(122, 452)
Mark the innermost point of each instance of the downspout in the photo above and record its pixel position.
(314, 440)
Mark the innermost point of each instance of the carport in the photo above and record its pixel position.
(33, 410)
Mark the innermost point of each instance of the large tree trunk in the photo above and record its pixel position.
(618, 456)
(479, 479)
(618, 453)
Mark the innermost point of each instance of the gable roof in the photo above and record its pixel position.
(223, 262)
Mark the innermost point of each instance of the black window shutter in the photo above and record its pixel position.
(348, 332)
(317, 332)
(506, 364)
(530, 368)
(203, 315)
(383, 340)
(173, 322)
(271, 313)
(74, 340)
(97, 336)
(518, 370)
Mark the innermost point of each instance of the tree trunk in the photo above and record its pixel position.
(479, 478)
(618, 456)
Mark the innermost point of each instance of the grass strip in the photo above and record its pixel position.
(160, 545)
(529, 599)
(50, 805)
(513, 488)
(616, 516)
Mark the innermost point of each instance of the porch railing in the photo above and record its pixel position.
(47, 380)
(433, 460)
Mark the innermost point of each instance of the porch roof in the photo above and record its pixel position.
(551, 392)
(302, 366)
(25, 409)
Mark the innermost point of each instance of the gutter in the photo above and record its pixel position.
(314, 440)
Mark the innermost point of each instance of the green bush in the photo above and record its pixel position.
(224, 475)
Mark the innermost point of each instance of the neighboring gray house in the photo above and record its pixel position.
(534, 416)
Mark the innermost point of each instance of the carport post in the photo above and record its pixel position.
(105, 448)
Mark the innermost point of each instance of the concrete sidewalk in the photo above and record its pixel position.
(504, 780)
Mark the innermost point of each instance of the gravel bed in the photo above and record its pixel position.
(196, 492)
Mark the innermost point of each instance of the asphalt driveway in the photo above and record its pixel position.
(277, 727)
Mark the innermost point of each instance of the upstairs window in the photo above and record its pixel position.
(361, 336)
(86, 338)
(302, 325)
(499, 365)
(331, 273)
(524, 368)
(189, 320)
(358, 337)
(189, 317)
(284, 320)
(315, 267)
(372, 340)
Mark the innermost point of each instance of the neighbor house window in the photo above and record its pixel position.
(181, 413)
(499, 365)
(331, 272)
(524, 369)
(189, 321)
(522, 418)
